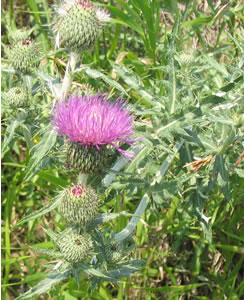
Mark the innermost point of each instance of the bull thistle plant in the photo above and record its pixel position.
(109, 108)
(90, 126)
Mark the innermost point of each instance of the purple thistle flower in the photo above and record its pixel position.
(94, 121)
(85, 4)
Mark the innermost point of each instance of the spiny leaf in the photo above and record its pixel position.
(10, 131)
(46, 284)
(49, 252)
(106, 217)
(52, 205)
(40, 151)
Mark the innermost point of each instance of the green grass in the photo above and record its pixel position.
(191, 235)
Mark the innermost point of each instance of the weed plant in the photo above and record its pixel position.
(180, 67)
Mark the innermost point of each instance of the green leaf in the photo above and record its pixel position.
(231, 248)
(107, 217)
(139, 157)
(222, 176)
(34, 9)
(46, 284)
(219, 67)
(27, 134)
(96, 74)
(51, 206)
(126, 19)
(56, 181)
(90, 270)
(127, 8)
(51, 233)
(239, 172)
(134, 81)
(50, 252)
(166, 190)
(14, 260)
(172, 288)
(41, 150)
(120, 163)
(33, 277)
(197, 21)
(10, 130)
(125, 269)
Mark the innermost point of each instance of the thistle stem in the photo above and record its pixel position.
(82, 179)
(28, 83)
(68, 77)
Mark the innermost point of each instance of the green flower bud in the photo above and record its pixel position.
(86, 158)
(74, 247)
(16, 97)
(23, 55)
(18, 35)
(186, 59)
(114, 251)
(79, 25)
(79, 205)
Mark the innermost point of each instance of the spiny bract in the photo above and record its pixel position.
(16, 97)
(74, 247)
(23, 56)
(79, 25)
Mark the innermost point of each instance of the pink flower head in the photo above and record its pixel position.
(77, 191)
(93, 120)
(85, 4)
(26, 42)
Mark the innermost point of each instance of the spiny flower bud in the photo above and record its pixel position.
(79, 25)
(79, 205)
(23, 56)
(16, 97)
(18, 35)
(113, 251)
(86, 158)
(74, 247)
(186, 59)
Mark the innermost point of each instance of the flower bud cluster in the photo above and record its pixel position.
(78, 27)
(79, 206)
(114, 251)
(92, 124)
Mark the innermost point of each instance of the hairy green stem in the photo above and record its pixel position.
(28, 83)
(68, 77)
(82, 179)
(173, 88)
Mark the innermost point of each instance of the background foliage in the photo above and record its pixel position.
(179, 64)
